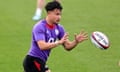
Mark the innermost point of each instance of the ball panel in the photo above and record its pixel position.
(100, 40)
(95, 43)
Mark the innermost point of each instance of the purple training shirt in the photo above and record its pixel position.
(42, 32)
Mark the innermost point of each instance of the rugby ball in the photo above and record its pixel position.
(100, 40)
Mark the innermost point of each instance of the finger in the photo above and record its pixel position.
(66, 34)
(86, 38)
(66, 37)
(82, 31)
(85, 34)
(75, 35)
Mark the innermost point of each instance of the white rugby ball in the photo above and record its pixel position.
(100, 40)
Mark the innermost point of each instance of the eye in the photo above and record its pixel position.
(58, 13)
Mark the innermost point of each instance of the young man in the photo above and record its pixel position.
(38, 13)
(47, 34)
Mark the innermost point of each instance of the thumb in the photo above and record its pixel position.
(66, 34)
(75, 35)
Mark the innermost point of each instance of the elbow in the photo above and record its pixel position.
(68, 49)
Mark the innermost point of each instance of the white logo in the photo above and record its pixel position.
(51, 40)
(56, 31)
(48, 32)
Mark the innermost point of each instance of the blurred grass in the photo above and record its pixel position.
(91, 15)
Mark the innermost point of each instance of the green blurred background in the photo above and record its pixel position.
(91, 15)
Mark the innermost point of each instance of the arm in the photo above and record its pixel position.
(69, 45)
(46, 45)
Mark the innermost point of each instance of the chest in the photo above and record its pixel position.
(52, 35)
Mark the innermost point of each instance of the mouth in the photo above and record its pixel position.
(58, 20)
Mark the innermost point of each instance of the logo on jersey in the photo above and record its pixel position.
(51, 40)
(57, 32)
(48, 33)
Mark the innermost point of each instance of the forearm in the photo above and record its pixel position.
(45, 46)
(70, 45)
(48, 46)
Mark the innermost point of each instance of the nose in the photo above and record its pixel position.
(59, 16)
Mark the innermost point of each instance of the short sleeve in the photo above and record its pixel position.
(38, 32)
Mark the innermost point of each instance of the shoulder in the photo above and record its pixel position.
(39, 25)
(60, 27)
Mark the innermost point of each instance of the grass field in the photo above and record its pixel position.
(91, 15)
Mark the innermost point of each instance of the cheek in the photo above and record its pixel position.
(52, 17)
(55, 17)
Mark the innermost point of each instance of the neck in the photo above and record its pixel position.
(49, 21)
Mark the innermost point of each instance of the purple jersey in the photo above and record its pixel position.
(42, 32)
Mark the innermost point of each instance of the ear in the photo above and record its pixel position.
(48, 12)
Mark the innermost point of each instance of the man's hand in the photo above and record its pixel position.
(81, 37)
(64, 38)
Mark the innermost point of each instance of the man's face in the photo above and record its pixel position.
(55, 15)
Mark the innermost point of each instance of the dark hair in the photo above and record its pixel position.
(53, 5)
